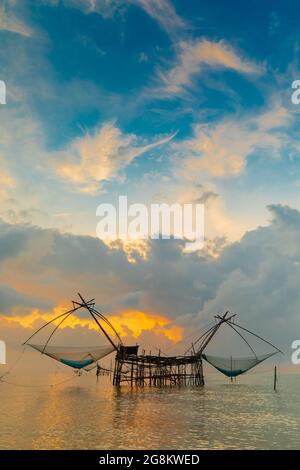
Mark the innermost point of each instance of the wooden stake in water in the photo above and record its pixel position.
(275, 378)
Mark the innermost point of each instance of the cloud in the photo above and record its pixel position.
(8, 22)
(193, 56)
(169, 288)
(143, 57)
(257, 277)
(221, 227)
(20, 145)
(7, 180)
(99, 157)
(265, 266)
(221, 149)
(56, 265)
(161, 11)
(11, 299)
(128, 323)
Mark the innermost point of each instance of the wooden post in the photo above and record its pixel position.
(131, 374)
(150, 370)
(275, 378)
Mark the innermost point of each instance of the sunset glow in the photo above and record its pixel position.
(126, 322)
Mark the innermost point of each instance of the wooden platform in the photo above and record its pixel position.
(156, 370)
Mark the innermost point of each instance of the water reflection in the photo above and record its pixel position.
(102, 417)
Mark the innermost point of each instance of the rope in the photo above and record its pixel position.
(14, 364)
(38, 386)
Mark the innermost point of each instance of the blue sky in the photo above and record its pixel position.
(151, 70)
(160, 100)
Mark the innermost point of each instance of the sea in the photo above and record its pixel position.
(79, 413)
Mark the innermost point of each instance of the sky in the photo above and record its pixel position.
(162, 101)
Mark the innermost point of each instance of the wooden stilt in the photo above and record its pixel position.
(156, 371)
(275, 378)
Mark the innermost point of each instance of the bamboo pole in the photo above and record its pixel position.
(275, 378)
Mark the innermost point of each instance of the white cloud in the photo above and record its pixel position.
(193, 56)
(222, 149)
(8, 22)
(92, 159)
(161, 11)
(220, 224)
(7, 181)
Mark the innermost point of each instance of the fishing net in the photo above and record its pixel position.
(76, 357)
(232, 367)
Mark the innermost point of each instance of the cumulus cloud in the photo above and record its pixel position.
(11, 300)
(260, 279)
(257, 277)
(221, 149)
(221, 226)
(95, 158)
(193, 56)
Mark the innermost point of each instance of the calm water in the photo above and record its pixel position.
(83, 415)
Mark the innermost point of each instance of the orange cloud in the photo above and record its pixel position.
(132, 248)
(137, 321)
(126, 322)
(193, 56)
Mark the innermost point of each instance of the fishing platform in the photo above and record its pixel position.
(140, 369)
